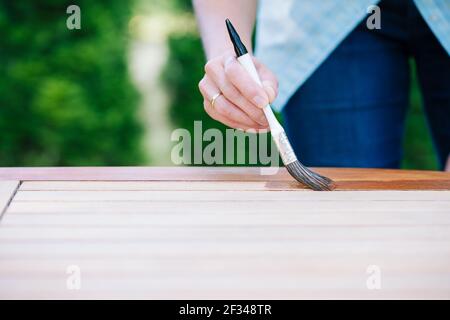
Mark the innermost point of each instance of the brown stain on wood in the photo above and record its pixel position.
(345, 178)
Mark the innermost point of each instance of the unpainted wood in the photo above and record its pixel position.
(7, 190)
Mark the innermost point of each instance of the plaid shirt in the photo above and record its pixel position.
(295, 36)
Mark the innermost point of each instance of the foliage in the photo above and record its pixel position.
(183, 4)
(65, 96)
(418, 148)
(181, 75)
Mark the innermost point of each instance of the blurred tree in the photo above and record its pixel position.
(65, 96)
(183, 4)
(183, 71)
(181, 75)
(418, 147)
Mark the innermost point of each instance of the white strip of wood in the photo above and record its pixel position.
(347, 217)
(135, 268)
(158, 185)
(242, 207)
(143, 195)
(123, 289)
(233, 250)
(11, 233)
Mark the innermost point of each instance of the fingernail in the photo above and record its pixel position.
(251, 130)
(260, 101)
(271, 92)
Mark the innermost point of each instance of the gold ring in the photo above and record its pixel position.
(213, 99)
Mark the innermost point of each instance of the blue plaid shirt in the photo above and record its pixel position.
(295, 36)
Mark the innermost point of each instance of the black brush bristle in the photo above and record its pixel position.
(328, 180)
(309, 178)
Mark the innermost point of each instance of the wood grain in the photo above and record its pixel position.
(346, 178)
(340, 218)
(325, 233)
(208, 196)
(223, 233)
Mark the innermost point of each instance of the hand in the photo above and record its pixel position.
(241, 101)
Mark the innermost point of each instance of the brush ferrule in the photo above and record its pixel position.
(285, 148)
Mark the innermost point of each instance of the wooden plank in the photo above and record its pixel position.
(158, 186)
(213, 280)
(114, 234)
(231, 289)
(142, 174)
(208, 219)
(231, 250)
(359, 179)
(256, 286)
(230, 186)
(304, 274)
(279, 208)
(247, 196)
(7, 190)
(251, 266)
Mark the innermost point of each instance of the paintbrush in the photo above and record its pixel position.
(297, 170)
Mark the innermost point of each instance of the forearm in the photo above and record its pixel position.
(211, 17)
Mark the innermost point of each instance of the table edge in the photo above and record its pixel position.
(346, 178)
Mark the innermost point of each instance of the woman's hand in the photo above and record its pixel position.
(241, 101)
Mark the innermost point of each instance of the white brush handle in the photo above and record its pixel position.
(247, 62)
(279, 136)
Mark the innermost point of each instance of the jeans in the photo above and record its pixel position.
(351, 111)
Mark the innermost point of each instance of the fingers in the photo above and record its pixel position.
(223, 110)
(268, 79)
(216, 73)
(222, 119)
(240, 105)
(239, 77)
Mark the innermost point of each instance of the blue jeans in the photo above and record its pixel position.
(351, 111)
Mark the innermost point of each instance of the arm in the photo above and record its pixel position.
(241, 101)
(211, 17)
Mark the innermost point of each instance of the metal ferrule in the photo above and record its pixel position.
(285, 149)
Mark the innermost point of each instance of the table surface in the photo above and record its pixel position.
(227, 233)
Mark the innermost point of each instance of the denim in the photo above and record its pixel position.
(293, 37)
(350, 112)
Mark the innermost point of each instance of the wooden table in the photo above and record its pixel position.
(227, 233)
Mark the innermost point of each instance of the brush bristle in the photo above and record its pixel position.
(309, 178)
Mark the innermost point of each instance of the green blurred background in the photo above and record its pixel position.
(112, 92)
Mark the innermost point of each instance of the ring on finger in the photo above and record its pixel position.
(214, 98)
